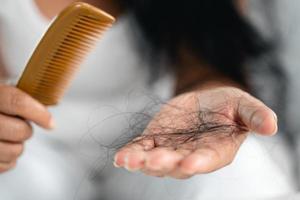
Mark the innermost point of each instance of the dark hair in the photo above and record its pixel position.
(213, 30)
(218, 33)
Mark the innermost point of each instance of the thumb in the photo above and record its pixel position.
(257, 116)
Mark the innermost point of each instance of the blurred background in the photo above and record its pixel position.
(73, 161)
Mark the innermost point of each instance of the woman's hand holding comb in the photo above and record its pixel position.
(17, 109)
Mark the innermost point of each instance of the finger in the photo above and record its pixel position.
(16, 102)
(161, 161)
(121, 157)
(10, 152)
(7, 166)
(139, 144)
(151, 172)
(257, 116)
(205, 160)
(146, 142)
(135, 160)
(208, 158)
(14, 129)
(202, 161)
(177, 172)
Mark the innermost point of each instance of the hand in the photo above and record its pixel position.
(197, 133)
(17, 109)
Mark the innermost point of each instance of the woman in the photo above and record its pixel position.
(212, 87)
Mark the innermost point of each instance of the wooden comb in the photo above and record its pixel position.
(62, 49)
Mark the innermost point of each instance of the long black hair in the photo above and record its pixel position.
(212, 30)
(217, 32)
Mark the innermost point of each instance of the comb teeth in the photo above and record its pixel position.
(62, 50)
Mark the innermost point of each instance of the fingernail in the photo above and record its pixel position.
(126, 164)
(52, 123)
(275, 129)
(116, 165)
(126, 161)
(275, 117)
(276, 124)
(115, 161)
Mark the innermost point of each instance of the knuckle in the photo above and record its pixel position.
(23, 131)
(17, 100)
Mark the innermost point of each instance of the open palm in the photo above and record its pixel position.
(197, 133)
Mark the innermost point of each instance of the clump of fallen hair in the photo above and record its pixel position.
(200, 128)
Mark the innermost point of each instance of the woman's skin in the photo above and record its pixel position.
(205, 154)
(19, 109)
